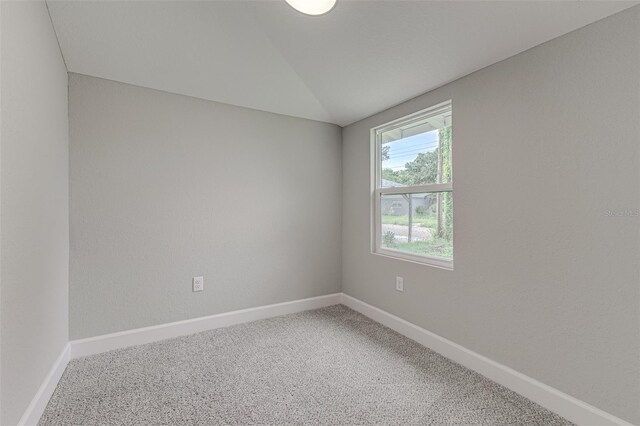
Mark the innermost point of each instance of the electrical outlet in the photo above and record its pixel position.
(198, 283)
(399, 284)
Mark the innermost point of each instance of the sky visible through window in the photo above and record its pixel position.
(405, 150)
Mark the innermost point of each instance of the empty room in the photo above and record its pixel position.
(319, 212)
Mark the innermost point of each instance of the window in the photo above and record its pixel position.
(413, 187)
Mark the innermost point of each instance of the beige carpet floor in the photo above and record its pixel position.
(330, 366)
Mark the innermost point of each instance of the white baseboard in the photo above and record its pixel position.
(34, 411)
(570, 408)
(139, 336)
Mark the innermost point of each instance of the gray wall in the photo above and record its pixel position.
(34, 204)
(159, 184)
(544, 281)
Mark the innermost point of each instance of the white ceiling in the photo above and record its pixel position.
(359, 59)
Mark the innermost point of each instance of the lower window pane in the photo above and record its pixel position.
(420, 224)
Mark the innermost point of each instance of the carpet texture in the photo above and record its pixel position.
(329, 366)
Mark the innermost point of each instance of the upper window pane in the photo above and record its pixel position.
(417, 152)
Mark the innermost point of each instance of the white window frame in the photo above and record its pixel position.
(377, 191)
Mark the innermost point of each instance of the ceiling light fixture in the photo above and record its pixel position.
(312, 7)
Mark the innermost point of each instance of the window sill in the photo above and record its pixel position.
(420, 260)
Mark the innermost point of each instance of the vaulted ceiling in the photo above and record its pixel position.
(359, 59)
